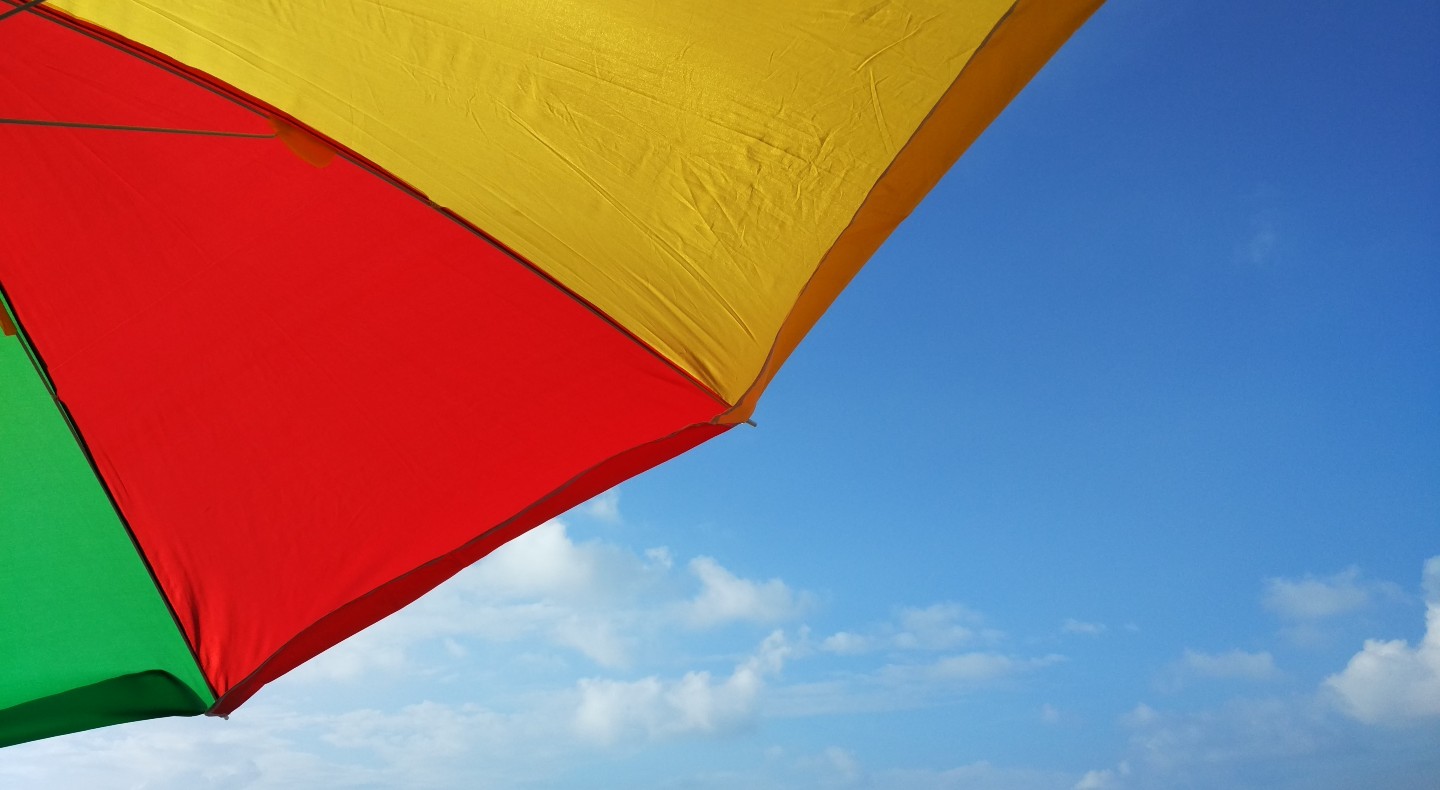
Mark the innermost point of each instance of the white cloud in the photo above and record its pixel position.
(941, 626)
(509, 632)
(1104, 778)
(545, 564)
(1073, 626)
(604, 508)
(844, 768)
(846, 643)
(1284, 741)
(1389, 682)
(1230, 665)
(595, 638)
(725, 597)
(1233, 664)
(424, 732)
(1315, 598)
(1291, 741)
(660, 557)
(904, 686)
(1096, 780)
(377, 648)
(1259, 247)
(965, 668)
(936, 627)
(600, 600)
(1240, 731)
(610, 710)
(542, 587)
(1140, 716)
(836, 767)
(424, 746)
(982, 775)
(1049, 714)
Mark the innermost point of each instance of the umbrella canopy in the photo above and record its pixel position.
(307, 308)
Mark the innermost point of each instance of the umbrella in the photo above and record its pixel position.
(309, 306)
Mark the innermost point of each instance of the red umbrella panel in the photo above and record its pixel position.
(306, 312)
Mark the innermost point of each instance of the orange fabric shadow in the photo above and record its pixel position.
(303, 144)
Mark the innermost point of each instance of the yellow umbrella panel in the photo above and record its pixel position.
(310, 305)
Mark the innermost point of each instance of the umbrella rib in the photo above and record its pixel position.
(17, 9)
(77, 26)
(122, 128)
(258, 107)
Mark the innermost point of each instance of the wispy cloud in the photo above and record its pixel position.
(725, 598)
(847, 644)
(980, 775)
(905, 685)
(1236, 664)
(1313, 598)
(941, 626)
(837, 767)
(1230, 665)
(1073, 626)
(604, 508)
(963, 668)
(1103, 778)
(1260, 240)
(1170, 744)
(1259, 247)
(938, 627)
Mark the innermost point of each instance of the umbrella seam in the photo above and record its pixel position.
(558, 491)
(26, 6)
(264, 110)
(110, 127)
(38, 360)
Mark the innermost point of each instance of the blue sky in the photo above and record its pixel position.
(1118, 467)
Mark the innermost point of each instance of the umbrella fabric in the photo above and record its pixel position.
(307, 309)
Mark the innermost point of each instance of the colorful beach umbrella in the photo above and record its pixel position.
(309, 305)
